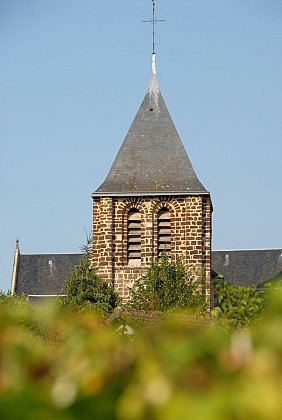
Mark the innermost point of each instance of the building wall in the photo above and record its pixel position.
(190, 236)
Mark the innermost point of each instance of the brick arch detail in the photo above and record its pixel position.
(173, 207)
(122, 211)
(134, 204)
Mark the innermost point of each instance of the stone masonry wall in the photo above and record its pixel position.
(190, 236)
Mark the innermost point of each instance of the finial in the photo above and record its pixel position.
(153, 21)
(154, 71)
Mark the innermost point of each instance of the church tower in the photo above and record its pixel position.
(151, 201)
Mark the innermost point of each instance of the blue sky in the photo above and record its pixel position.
(72, 76)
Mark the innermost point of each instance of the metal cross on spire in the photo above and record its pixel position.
(154, 21)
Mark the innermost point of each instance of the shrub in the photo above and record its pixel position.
(84, 288)
(166, 285)
(7, 299)
(239, 305)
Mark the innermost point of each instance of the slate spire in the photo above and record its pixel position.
(152, 159)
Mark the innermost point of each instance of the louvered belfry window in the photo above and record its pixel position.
(134, 237)
(164, 231)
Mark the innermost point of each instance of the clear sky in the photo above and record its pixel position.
(73, 74)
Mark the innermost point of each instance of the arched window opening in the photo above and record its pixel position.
(164, 231)
(134, 238)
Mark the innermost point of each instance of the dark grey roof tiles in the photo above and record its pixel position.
(44, 274)
(246, 267)
(152, 158)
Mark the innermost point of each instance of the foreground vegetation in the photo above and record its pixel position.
(65, 360)
(68, 365)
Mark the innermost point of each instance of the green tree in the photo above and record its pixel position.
(7, 299)
(239, 305)
(167, 285)
(84, 288)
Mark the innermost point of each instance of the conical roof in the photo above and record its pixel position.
(152, 159)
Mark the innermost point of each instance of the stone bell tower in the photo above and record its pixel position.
(151, 201)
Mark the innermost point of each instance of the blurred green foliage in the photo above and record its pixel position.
(240, 306)
(166, 286)
(69, 365)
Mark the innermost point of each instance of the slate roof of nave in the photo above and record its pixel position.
(40, 274)
(152, 159)
(246, 267)
(44, 274)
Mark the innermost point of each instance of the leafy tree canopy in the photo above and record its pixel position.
(239, 305)
(167, 285)
(84, 288)
(7, 299)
